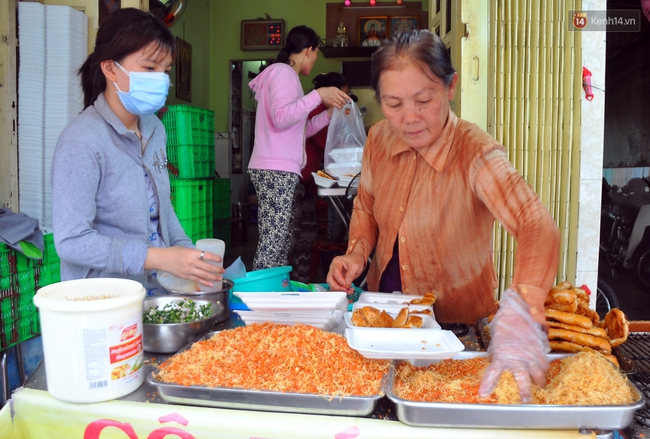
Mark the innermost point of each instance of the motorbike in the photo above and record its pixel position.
(606, 299)
(625, 229)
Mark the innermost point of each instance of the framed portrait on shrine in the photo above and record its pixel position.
(372, 30)
(404, 24)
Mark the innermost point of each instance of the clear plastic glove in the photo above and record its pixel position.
(518, 344)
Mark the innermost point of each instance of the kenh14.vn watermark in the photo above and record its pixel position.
(605, 20)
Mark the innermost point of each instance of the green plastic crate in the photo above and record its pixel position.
(26, 304)
(49, 251)
(19, 330)
(24, 263)
(26, 282)
(47, 275)
(222, 231)
(222, 207)
(192, 201)
(7, 260)
(190, 161)
(192, 198)
(197, 228)
(7, 310)
(8, 334)
(7, 296)
(188, 125)
(55, 273)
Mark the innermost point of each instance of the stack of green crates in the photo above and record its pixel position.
(190, 161)
(222, 211)
(20, 278)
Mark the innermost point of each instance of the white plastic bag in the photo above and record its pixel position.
(346, 137)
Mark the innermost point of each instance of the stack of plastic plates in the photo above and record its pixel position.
(53, 40)
(31, 106)
(390, 302)
(67, 27)
(323, 310)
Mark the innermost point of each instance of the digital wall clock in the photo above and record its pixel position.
(262, 34)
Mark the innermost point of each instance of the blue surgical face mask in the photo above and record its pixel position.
(147, 91)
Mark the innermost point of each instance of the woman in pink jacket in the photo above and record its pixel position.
(281, 128)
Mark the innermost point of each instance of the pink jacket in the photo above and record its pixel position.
(281, 124)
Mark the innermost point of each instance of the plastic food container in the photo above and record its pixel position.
(269, 280)
(331, 321)
(92, 338)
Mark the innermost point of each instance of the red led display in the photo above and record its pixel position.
(262, 34)
(275, 34)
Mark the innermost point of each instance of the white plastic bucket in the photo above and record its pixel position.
(92, 338)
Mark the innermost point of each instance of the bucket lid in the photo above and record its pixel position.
(267, 272)
(89, 295)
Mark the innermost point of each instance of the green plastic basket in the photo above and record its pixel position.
(188, 125)
(192, 198)
(49, 251)
(192, 201)
(7, 297)
(190, 161)
(221, 231)
(7, 260)
(222, 207)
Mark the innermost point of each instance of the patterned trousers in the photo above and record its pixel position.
(275, 190)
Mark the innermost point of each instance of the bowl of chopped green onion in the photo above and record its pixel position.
(171, 322)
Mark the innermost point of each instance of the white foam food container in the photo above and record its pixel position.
(389, 301)
(322, 181)
(428, 322)
(295, 301)
(92, 338)
(344, 181)
(398, 344)
(348, 169)
(331, 321)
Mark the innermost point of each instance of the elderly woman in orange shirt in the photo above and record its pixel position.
(431, 188)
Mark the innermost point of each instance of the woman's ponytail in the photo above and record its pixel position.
(298, 39)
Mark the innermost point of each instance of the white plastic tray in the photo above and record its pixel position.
(325, 320)
(428, 322)
(302, 301)
(397, 344)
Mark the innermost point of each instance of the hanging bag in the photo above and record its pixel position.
(346, 137)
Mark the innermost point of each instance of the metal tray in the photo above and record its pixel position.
(441, 414)
(264, 400)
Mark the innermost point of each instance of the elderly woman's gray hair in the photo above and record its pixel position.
(422, 47)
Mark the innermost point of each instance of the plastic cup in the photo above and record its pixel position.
(218, 247)
(180, 285)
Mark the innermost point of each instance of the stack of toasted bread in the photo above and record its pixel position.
(371, 317)
(574, 327)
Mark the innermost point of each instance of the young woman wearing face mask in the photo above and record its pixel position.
(112, 212)
(281, 128)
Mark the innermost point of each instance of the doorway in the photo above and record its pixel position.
(626, 163)
(241, 123)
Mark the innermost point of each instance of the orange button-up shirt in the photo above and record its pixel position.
(440, 204)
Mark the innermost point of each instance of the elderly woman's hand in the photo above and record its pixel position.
(333, 97)
(345, 269)
(518, 344)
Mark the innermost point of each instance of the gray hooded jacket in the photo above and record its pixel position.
(100, 204)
